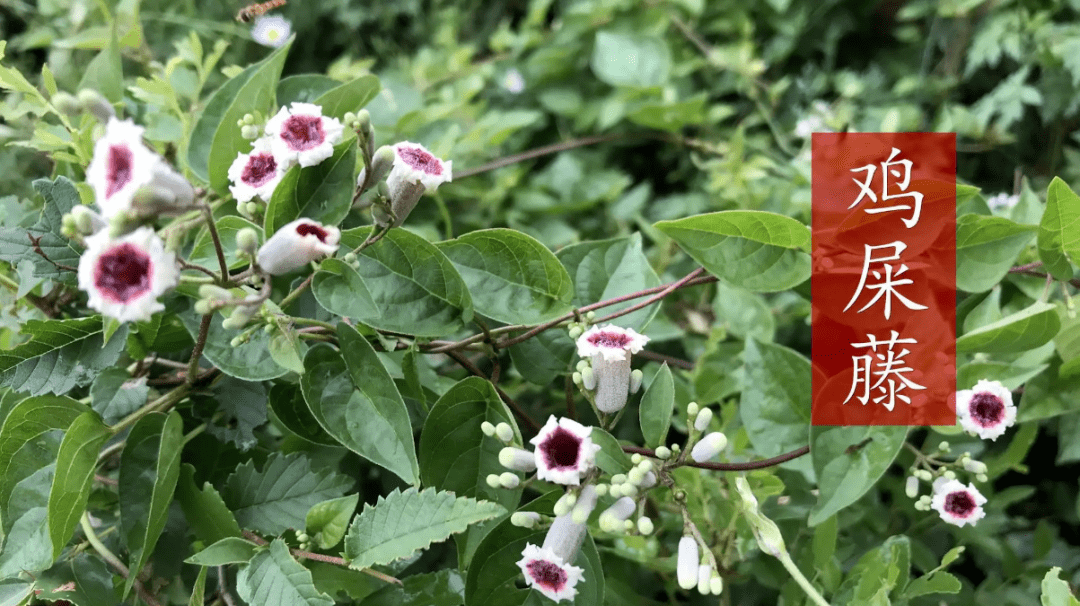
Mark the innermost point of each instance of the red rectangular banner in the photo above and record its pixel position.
(884, 278)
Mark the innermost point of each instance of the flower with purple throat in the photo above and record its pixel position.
(256, 173)
(416, 171)
(985, 410)
(301, 133)
(122, 165)
(957, 504)
(297, 244)
(125, 276)
(549, 569)
(609, 348)
(564, 451)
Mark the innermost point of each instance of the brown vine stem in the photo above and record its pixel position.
(209, 214)
(469, 366)
(300, 553)
(659, 357)
(196, 353)
(538, 152)
(660, 295)
(747, 466)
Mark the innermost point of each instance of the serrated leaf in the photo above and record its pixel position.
(291, 409)
(322, 192)
(242, 405)
(404, 522)
(843, 477)
(755, 250)
(60, 355)
(278, 497)
(354, 399)
(455, 455)
(114, 394)
(230, 550)
(607, 269)
(83, 581)
(1024, 330)
(149, 469)
(274, 578)
(512, 277)
(204, 509)
(17, 243)
(327, 522)
(1059, 230)
(657, 404)
(1056, 592)
(775, 402)
(74, 476)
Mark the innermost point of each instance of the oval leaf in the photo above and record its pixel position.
(1018, 332)
(327, 522)
(1059, 239)
(775, 403)
(986, 248)
(250, 361)
(231, 550)
(322, 192)
(74, 476)
(607, 269)
(755, 250)
(349, 97)
(656, 407)
(623, 59)
(848, 462)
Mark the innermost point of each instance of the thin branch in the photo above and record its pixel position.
(196, 353)
(300, 553)
(747, 466)
(469, 366)
(654, 298)
(209, 214)
(114, 561)
(659, 357)
(223, 587)
(538, 152)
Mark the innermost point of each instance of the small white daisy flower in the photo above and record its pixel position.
(1003, 200)
(564, 451)
(297, 244)
(300, 133)
(610, 348)
(256, 173)
(549, 574)
(124, 277)
(957, 504)
(271, 30)
(120, 166)
(416, 171)
(985, 410)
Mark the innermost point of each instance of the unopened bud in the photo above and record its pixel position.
(576, 377)
(923, 475)
(949, 474)
(86, 220)
(704, 575)
(363, 120)
(703, 419)
(648, 480)
(585, 504)
(236, 341)
(588, 379)
(517, 459)
(716, 585)
(381, 163)
(602, 489)
(214, 293)
(982, 477)
(692, 409)
(562, 506)
(509, 480)
(629, 490)
(618, 478)
(590, 316)
(634, 476)
(911, 487)
(238, 318)
(504, 432)
(247, 240)
(636, 458)
(250, 132)
(708, 447)
(663, 452)
(635, 380)
(974, 466)
(944, 446)
(203, 307)
(98, 106)
(575, 332)
(645, 525)
(487, 428)
(493, 481)
(687, 567)
(525, 519)
(67, 104)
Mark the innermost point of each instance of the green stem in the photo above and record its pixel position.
(289, 298)
(159, 405)
(110, 557)
(797, 574)
(312, 322)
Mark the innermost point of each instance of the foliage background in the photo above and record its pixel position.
(707, 123)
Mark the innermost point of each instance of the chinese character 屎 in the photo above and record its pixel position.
(898, 192)
(886, 287)
(888, 366)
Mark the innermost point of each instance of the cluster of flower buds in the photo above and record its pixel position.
(605, 372)
(692, 571)
(703, 447)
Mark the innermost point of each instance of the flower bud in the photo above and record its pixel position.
(982, 477)
(635, 380)
(67, 104)
(687, 568)
(636, 458)
(629, 490)
(238, 318)
(250, 132)
(716, 584)
(214, 293)
(517, 459)
(575, 331)
(588, 378)
(562, 506)
(645, 525)
(704, 575)
(381, 163)
(923, 475)
(634, 476)
(86, 220)
(944, 446)
(247, 241)
(96, 104)
(504, 432)
(703, 419)
(612, 518)
(974, 466)
(297, 244)
(708, 447)
(487, 428)
(645, 465)
(363, 120)
(509, 480)
(525, 519)
(911, 487)
(692, 409)
(585, 504)
(564, 538)
(648, 480)
(203, 307)
(949, 474)
(619, 478)
(602, 489)
(493, 481)
(663, 452)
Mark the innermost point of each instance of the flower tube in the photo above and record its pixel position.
(609, 348)
(297, 244)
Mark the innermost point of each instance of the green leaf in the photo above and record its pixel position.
(758, 251)
(278, 497)
(403, 522)
(445, 587)
(657, 404)
(198, 589)
(322, 192)
(327, 522)
(349, 97)
(455, 456)
(1018, 332)
(114, 394)
(544, 357)
(304, 88)
(341, 291)
(291, 409)
(610, 458)
(74, 476)
(104, 73)
(845, 476)
(672, 116)
(12, 79)
(937, 582)
(149, 469)
(414, 288)
(60, 355)
(204, 253)
(1056, 592)
(230, 550)
(986, 248)
(1046, 395)
(274, 578)
(607, 269)
(204, 509)
(15, 242)
(27, 547)
(85, 580)
(624, 59)
(1059, 236)
(357, 403)
(286, 348)
(240, 408)
(511, 277)
(744, 314)
(775, 402)
(250, 361)
(215, 139)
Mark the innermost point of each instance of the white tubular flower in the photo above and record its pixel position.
(687, 568)
(517, 459)
(708, 447)
(564, 451)
(120, 166)
(564, 538)
(985, 410)
(704, 575)
(297, 244)
(256, 173)
(1003, 200)
(610, 348)
(416, 172)
(124, 277)
(958, 504)
(549, 574)
(302, 134)
(271, 30)
(612, 518)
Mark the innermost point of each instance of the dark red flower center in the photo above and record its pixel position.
(561, 449)
(118, 170)
(259, 169)
(420, 160)
(303, 132)
(309, 229)
(610, 339)
(987, 409)
(959, 503)
(123, 273)
(547, 574)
